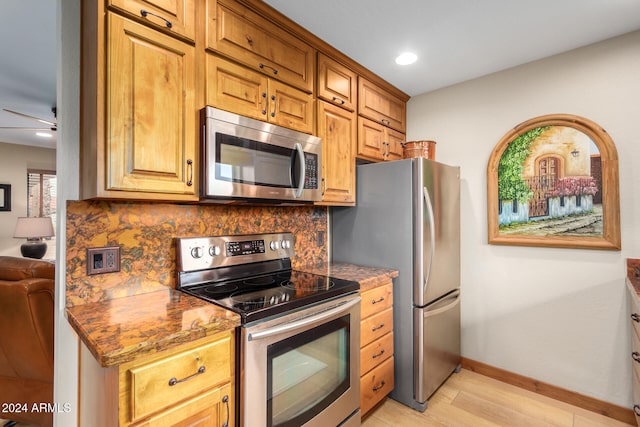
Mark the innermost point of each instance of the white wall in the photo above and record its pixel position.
(14, 162)
(557, 315)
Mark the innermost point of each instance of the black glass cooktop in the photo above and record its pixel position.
(265, 295)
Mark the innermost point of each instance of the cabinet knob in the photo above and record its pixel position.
(636, 356)
(636, 409)
(635, 317)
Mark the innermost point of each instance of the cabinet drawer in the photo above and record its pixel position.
(376, 326)
(635, 353)
(375, 385)
(166, 381)
(376, 300)
(375, 353)
(177, 16)
(634, 304)
(636, 397)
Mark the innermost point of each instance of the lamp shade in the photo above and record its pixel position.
(33, 228)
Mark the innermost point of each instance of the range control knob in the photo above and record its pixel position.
(286, 244)
(274, 245)
(214, 250)
(197, 252)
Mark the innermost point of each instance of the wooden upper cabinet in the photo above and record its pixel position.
(377, 142)
(336, 83)
(247, 37)
(236, 88)
(381, 106)
(337, 128)
(151, 114)
(174, 16)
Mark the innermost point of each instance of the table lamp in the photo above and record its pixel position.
(33, 229)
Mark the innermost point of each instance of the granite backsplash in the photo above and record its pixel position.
(145, 233)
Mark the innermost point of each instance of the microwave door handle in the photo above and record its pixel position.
(303, 169)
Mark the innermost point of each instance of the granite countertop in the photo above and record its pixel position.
(123, 329)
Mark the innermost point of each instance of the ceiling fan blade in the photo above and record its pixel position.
(46, 122)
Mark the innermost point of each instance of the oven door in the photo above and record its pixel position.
(246, 158)
(302, 369)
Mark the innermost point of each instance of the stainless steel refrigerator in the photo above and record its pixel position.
(407, 217)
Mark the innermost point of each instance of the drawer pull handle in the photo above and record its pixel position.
(190, 167)
(173, 381)
(375, 328)
(144, 14)
(263, 66)
(376, 301)
(376, 388)
(635, 317)
(636, 409)
(375, 356)
(225, 400)
(336, 99)
(636, 356)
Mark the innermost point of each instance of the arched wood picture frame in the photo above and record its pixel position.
(553, 181)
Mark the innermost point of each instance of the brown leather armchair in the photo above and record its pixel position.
(26, 338)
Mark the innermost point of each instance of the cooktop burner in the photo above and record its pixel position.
(251, 275)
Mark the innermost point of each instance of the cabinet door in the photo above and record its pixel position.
(236, 88)
(381, 106)
(177, 16)
(209, 409)
(151, 114)
(290, 107)
(337, 128)
(245, 36)
(336, 83)
(394, 141)
(371, 144)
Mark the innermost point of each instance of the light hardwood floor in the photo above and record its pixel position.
(469, 399)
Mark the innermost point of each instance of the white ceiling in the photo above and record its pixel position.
(455, 40)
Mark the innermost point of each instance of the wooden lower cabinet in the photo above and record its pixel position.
(191, 385)
(376, 345)
(634, 305)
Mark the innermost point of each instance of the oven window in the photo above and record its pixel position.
(251, 162)
(307, 372)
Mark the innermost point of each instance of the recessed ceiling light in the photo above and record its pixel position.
(406, 58)
(44, 135)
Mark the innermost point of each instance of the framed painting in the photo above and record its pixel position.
(553, 181)
(5, 197)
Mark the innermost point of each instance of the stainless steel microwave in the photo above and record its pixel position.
(248, 160)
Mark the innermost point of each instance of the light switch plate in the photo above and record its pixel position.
(103, 260)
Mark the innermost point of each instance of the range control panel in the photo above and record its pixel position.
(200, 253)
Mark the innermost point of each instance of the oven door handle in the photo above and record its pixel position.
(307, 321)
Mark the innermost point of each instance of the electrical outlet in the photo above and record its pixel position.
(103, 260)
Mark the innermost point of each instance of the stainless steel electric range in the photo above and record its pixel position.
(298, 344)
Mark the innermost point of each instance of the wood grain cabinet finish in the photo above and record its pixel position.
(337, 84)
(263, 46)
(172, 16)
(236, 88)
(337, 128)
(180, 387)
(139, 117)
(376, 345)
(381, 106)
(377, 142)
(634, 304)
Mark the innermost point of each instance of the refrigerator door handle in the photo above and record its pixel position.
(432, 237)
(456, 299)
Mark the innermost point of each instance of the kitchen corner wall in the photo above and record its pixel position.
(556, 315)
(145, 233)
